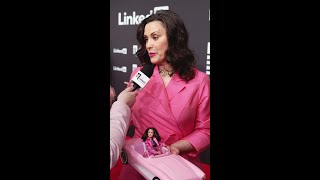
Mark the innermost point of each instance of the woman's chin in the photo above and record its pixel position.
(154, 61)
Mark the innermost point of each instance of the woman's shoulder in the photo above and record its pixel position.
(135, 71)
(199, 75)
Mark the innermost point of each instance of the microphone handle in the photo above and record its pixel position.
(135, 86)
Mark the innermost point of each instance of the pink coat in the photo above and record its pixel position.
(179, 111)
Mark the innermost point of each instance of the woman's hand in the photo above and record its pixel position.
(181, 146)
(174, 149)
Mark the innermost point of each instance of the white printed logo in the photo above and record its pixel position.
(123, 69)
(120, 51)
(136, 19)
(160, 8)
(141, 79)
(134, 49)
(208, 59)
(134, 66)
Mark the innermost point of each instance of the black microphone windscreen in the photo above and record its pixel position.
(148, 70)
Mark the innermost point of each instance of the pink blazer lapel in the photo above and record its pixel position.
(157, 90)
(175, 86)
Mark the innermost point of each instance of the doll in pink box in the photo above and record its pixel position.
(153, 143)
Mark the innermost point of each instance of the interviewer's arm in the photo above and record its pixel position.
(119, 120)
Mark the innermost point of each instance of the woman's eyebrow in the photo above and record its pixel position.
(152, 33)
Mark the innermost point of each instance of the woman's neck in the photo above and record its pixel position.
(166, 70)
(165, 67)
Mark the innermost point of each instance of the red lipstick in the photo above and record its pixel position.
(152, 54)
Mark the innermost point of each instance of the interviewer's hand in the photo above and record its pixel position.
(127, 96)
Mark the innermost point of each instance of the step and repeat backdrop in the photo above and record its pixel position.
(125, 15)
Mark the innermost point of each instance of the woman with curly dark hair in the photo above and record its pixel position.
(176, 100)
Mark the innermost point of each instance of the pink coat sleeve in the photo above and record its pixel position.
(200, 137)
(119, 120)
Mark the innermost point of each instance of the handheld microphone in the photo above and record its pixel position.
(142, 77)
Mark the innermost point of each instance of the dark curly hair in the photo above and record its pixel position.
(155, 134)
(178, 54)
